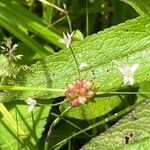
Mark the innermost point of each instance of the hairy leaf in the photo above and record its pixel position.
(127, 43)
(131, 132)
(141, 6)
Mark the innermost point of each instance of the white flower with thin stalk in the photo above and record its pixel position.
(31, 103)
(128, 73)
(67, 39)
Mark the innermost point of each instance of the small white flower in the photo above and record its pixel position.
(128, 73)
(67, 39)
(31, 103)
(83, 65)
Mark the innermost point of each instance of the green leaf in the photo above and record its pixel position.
(8, 136)
(21, 18)
(131, 132)
(96, 107)
(3, 66)
(145, 88)
(141, 6)
(11, 27)
(127, 43)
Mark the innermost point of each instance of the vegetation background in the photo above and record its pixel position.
(33, 63)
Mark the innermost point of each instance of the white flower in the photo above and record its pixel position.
(83, 65)
(31, 103)
(128, 73)
(67, 39)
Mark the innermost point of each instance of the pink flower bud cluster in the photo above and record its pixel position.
(79, 92)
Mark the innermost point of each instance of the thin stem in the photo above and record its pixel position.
(17, 126)
(23, 88)
(51, 105)
(72, 124)
(52, 5)
(34, 128)
(116, 115)
(87, 19)
(78, 69)
(121, 93)
(68, 18)
(52, 24)
(54, 123)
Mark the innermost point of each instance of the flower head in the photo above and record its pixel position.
(79, 92)
(128, 73)
(31, 103)
(67, 39)
(9, 50)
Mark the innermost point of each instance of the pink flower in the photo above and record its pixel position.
(79, 92)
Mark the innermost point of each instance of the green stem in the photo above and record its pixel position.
(17, 126)
(72, 124)
(78, 69)
(23, 88)
(68, 19)
(116, 115)
(121, 93)
(51, 105)
(87, 19)
(34, 128)
(54, 123)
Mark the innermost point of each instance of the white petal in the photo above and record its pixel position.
(15, 46)
(131, 81)
(30, 108)
(122, 70)
(31, 101)
(72, 34)
(67, 45)
(68, 35)
(134, 68)
(83, 65)
(126, 79)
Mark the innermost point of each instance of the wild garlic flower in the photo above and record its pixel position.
(79, 92)
(31, 103)
(128, 73)
(67, 39)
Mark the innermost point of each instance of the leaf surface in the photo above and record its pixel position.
(9, 124)
(131, 132)
(141, 6)
(127, 43)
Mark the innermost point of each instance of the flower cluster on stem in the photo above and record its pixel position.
(79, 92)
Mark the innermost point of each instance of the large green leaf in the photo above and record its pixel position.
(131, 132)
(96, 107)
(127, 43)
(8, 128)
(141, 6)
